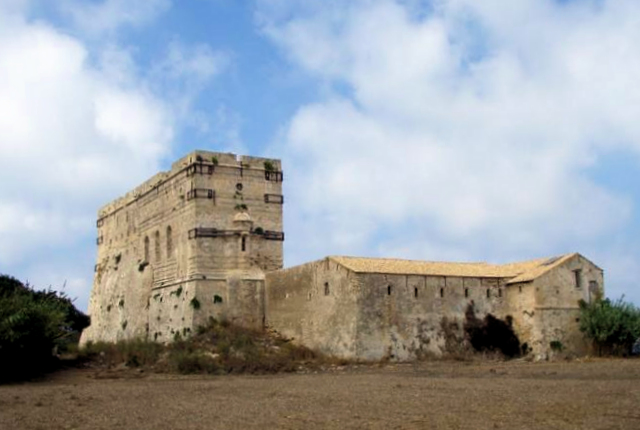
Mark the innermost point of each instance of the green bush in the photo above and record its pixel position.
(612, 326)
(32, 325)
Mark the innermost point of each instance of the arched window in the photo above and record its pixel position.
(169, 242)
(158, 246)
(146, 248)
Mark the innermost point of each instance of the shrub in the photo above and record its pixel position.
(33, 324)
(195, 303)
(612, 326)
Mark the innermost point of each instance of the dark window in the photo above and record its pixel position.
(244, 243)
(169, 242)
(146, 248)
(239, 187)
(578, 278)
(326, 289)
(520, 288)
(388, 290)
(441, 292)
(466, 292)
(415, 292)
(158, 255)
(499, 292)
(488, 293)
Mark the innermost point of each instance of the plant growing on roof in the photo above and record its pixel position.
(269, 167)
(214, 160)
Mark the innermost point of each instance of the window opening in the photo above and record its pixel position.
(466, 292)
(499, 292)
(415, 292)
(488, 293)
(326, 289)
(169, 242)
(519, 288)
(158, 246)
(441, 292)
(578, 278)
(146, 248)
(244, 243)
(388, 290)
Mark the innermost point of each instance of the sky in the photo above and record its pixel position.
(438, 130)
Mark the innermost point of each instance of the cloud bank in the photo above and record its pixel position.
(79, 125)
(460, 129)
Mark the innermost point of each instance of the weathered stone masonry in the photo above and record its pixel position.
(187, 244)
(205, 240)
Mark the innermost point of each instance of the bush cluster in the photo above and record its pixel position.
(33, 325)
(613, 326)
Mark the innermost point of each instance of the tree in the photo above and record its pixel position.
(32, 324)
(612, 326)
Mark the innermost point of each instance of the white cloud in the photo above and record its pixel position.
(108, 15)
(75, 134)
(469, 128)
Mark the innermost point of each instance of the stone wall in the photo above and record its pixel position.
(557, 312)
(316, 305)
(206, 229)
(402, 316)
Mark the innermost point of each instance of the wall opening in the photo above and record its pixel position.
(243, 245)
(158, 252)
(499, 292)
(415, 292)
(488, 293)
(326, 289)
(578, 278)
(441, 292)
(146, 248)
(388, 290)
(169, 242)
(519, 288)
(466, 292)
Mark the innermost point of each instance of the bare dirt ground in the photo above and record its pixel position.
(594, 394)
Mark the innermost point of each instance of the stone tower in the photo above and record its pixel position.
(189, 243)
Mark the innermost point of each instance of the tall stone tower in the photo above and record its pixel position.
(188, 244)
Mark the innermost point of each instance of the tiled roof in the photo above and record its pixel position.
(515, 272)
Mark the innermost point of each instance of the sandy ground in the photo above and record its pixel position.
(600, 394)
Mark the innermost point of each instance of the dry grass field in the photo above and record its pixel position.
(591, 394)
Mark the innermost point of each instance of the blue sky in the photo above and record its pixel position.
(449, 130)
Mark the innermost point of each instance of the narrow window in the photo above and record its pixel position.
(388, 290)
(466, 292)
(441, 292)
(519, 288)
(244, 243)
(488, 293)
(169, 242)
(158, 246)
(499, 292)
(415, 292)
(146, 248)
(326, 289)
(578, 278)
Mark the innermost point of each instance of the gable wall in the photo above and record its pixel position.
(297, 307)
